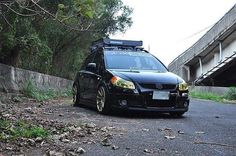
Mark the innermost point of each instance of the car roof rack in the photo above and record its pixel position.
(114, 43)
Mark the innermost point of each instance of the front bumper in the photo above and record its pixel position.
(143, 101)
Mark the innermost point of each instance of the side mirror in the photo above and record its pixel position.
(91, 67)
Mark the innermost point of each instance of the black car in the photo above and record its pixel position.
(121, 74)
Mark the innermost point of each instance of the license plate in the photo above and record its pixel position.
(160, 95)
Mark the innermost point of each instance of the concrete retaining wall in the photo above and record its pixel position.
(14, 79)
(216, 90)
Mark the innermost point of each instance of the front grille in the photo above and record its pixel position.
(158, 86)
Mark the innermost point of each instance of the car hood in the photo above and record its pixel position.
(148, 77)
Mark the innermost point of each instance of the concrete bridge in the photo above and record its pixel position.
(211, 60)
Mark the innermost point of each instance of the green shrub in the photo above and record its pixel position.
(4, 124)
(10, 130)
(28, 131)
(231, 94)
(32, 91)
(67, 92)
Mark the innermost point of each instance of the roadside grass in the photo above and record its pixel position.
(229, 96)
(14, 130)
(32, 91)
(206, 96)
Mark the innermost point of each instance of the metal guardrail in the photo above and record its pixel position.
(215, 68)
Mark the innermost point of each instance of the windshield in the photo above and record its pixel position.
(130, 60)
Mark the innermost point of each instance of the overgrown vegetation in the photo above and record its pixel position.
(14, 130)
(32, 91)
(229, 95)
(206, 95)
(53, 36)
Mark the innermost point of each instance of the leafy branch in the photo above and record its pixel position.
(37, 10)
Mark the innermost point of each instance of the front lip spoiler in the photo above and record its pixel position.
(153, 109)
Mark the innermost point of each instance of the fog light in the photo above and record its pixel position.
(186, 104)
(184, 94)
(123, 102)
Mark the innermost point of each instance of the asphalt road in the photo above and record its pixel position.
(208, 128)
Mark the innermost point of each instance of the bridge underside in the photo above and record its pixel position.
(225, 76)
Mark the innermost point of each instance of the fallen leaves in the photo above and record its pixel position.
(54, 153)
(170, 137)
(199, 132)
(29, 110)
(148, 151)
(145, 130)
(65, 140)
(106, 142)
(70, 152)
(169, 133)
(114, 147)
(90, 125)
(180, 132)
(74, 129)
(63, 136)
(80, 150)
(38, 139)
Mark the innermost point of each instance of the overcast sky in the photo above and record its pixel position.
(169, 27)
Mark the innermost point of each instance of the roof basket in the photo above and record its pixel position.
(106, 42)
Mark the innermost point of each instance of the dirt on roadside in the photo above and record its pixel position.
(68, 131)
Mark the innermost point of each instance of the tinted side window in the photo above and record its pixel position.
(88, 60)
(99, 63)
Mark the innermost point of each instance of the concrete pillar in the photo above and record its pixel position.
(187, 68)
(220, 51)
(216, 58)
(200, 65)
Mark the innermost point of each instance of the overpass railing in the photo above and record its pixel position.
(215, 68)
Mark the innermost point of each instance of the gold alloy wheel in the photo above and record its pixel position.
(75, 92)
(101, 97)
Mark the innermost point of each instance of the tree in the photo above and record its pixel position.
(53, 36)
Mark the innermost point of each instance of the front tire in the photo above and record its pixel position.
(75, 93)
(102, 104)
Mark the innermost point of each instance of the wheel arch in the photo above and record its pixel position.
(76, 83)
(104, 84)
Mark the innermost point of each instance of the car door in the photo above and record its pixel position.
(96, 76)
(84, 75)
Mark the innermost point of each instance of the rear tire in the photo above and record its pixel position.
(177, 114)
(75, 92)
(102, 104)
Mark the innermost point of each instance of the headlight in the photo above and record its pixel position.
(183, 86)
(119, 82)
